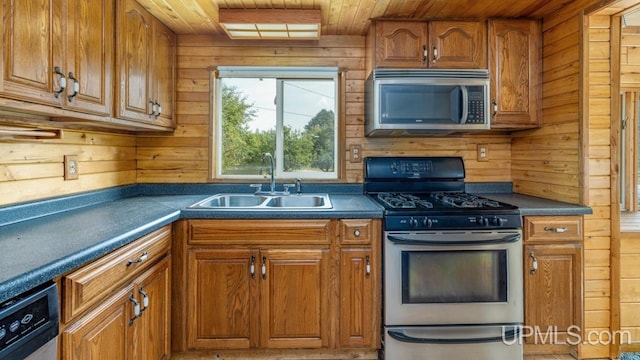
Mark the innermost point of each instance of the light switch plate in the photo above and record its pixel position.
(483, 152)
(356, 153)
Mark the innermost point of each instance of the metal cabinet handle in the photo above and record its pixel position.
(495, 108)
(425, 54)
(368, 267)
(356, 232)
(534, 263)
(158, 109)
(264, 268)
(556, 230)
(142, 258)
(145, 298)
(76, 86)
(252, 267)
(62, 82)
(153, 108)
(435, 54)
(136, 309)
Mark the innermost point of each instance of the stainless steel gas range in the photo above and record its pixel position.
(452, 263)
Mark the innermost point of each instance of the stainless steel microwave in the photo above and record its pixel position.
(426, 101)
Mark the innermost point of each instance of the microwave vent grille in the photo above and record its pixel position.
(430, 73)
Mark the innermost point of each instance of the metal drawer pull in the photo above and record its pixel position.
(534, 263)
(368, 273)
(356, 233)
(556, 230)
(142, 258)
(62, 82)
(264, 267)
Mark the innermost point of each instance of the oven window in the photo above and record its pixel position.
(466, 276)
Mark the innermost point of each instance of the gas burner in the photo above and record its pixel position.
(464, 200)
(403, 201)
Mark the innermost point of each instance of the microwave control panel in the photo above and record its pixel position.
(476, 105)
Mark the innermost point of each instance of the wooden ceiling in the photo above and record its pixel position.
(343, 17)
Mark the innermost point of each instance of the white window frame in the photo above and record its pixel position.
(281, 74)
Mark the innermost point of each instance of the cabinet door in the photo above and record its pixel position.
(163, 76)
(514, 64)
(400, 44)
(134, 53)
(293, 299)
(222, 295)
(457, 44)
(29, 50)
(103, 333)
(357, 314)
(552, 291)
(154, 324)
(89, 55)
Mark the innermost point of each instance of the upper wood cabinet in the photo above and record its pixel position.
(515, 64)
(67, 62)
(146, 67)
(433, 44)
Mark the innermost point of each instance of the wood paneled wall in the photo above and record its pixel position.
(33, 169)
(630, 58)
(184, 156)
(568, 158)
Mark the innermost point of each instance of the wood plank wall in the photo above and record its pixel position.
(630, 241)
(33, 169)
(568, 158)
(183, 156)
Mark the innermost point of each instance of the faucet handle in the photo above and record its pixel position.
(287, 186)
(258, 187)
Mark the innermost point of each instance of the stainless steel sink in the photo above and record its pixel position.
(232, 200)
(265, 202)
(298, 201)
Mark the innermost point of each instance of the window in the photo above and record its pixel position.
(290, 113)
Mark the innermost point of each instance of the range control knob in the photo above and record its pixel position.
(413, 223)
(496, 221)
(427, 222)
(482, 221)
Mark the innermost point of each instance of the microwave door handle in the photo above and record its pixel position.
(465, 104)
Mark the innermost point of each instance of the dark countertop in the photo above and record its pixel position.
(530, 205)
(37, 250)
(42, 240)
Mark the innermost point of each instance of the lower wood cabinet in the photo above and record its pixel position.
(277, 284)
(131, 321)
(552, 282)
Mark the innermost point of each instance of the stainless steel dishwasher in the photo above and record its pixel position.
(29, 324)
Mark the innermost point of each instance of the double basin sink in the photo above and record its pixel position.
(265, 202)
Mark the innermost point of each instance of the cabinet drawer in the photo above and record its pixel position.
(552, 228)
(356, 232)
(91, 283)
(254, 232)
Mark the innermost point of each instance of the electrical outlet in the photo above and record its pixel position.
(70, 167)
(483, 152)
(356, 153)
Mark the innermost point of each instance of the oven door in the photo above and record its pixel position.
(453, 277)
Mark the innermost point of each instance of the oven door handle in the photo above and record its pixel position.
(509, 335)
(436, 240)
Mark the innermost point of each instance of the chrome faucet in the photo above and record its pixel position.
(298, 186)
(272, 187)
